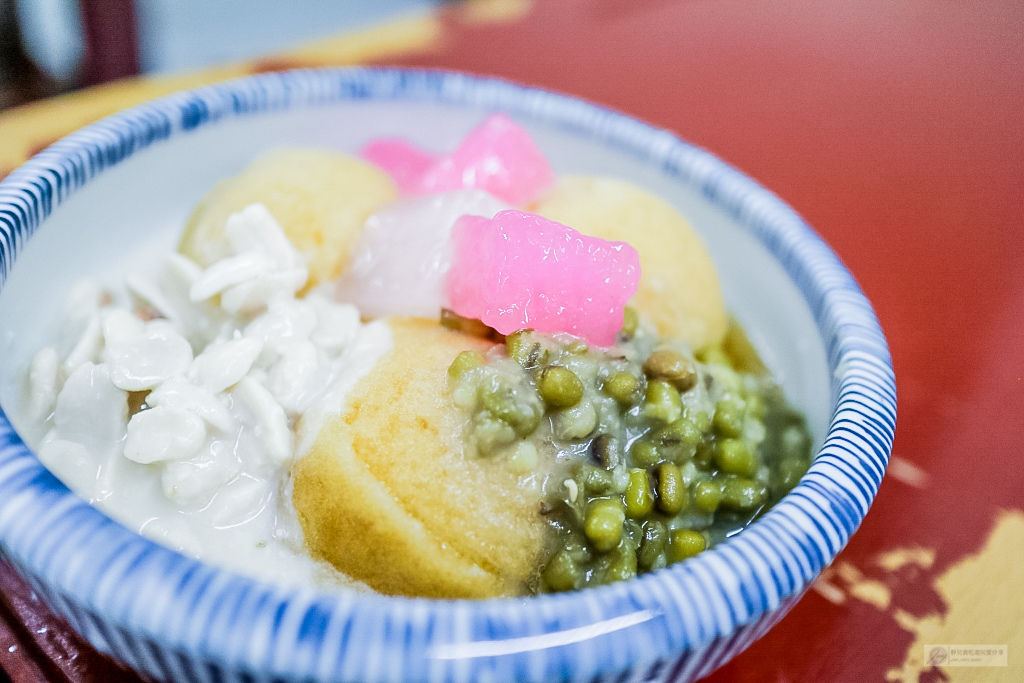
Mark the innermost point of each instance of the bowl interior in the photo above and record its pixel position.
(179, 619)
(127, 215)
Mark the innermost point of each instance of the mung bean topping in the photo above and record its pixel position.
(644, 453)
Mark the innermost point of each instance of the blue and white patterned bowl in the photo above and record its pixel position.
(129, 180)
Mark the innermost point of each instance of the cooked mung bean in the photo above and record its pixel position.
(560, 387)
(561, 573)
(622, 386)
(728, 420)
(672, 367)
(598, 481)
(645, 454)
(672, 494)
(652, 546)
(684, 544)
(662, 401)
(707, 495)
(635, 474)
(733, 456)
(603, 523)
(463, 363)
(639, 497)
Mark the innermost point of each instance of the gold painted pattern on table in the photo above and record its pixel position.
(980, 604)
(984, 605)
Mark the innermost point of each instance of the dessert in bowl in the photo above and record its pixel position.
(129, 595)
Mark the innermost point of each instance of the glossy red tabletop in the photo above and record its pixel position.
(896, 128)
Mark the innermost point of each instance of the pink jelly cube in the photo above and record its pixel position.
(519, 270)
(404, 163)
(497, 156)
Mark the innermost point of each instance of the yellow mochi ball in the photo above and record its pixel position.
(320, 198)
(679, 288)
(388, 496)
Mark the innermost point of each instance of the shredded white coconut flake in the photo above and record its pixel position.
(145, 361)
(271, 422)
(161, 434)
(42, 383)
(224, 364)
(177, 392)
(183, 426)
(87, 348)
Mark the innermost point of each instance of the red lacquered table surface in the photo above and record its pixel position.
(896, 128)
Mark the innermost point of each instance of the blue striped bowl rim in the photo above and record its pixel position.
(134, 586)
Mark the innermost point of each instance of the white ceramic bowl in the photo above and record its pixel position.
(90, 203)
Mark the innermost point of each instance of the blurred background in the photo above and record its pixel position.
(52, 46)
